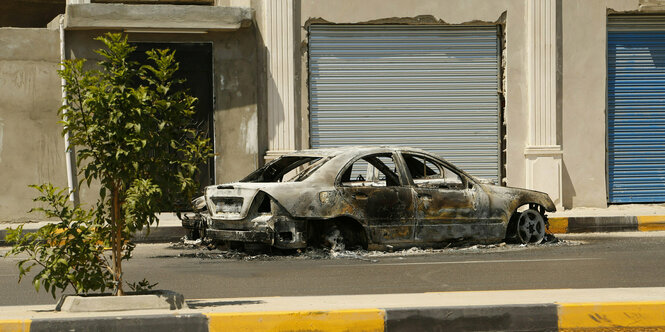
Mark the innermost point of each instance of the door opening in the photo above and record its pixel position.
(195, 61)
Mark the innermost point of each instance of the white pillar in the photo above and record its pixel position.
(70, 154)
(543, 152)
(279, 42)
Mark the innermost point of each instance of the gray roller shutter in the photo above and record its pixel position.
(636, 109)
(430, 87)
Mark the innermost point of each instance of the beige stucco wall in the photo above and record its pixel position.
(449, 12)
(584, 99)
(31, 147)
(234, 81)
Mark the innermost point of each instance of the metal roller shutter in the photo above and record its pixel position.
(430, 87)
(636, 109)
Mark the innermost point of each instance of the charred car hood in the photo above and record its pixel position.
(519, 195)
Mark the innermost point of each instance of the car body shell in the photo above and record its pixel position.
(286, 214)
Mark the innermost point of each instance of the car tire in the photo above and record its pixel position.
(333, 238)
(193, 234)
(340, 236)
(530, 227)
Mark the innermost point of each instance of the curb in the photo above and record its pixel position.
(603, 224)
(558, 225)
(174, 322)
(536, 317)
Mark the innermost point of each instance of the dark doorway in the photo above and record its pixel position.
(29, 13)
(195, 61)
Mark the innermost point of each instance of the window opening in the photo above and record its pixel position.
(371, 171)
(428, 173)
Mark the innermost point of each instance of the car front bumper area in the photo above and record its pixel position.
(280, 232)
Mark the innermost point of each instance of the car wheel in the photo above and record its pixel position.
(333, 238)
(530, 227)
(342, 235)
(193, 234)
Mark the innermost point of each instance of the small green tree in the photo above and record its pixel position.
(70, 252)
(133, 132)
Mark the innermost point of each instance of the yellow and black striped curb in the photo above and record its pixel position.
(559, 225)
(613, 316)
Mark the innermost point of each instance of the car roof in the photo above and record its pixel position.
(341, 156)
(325, 152)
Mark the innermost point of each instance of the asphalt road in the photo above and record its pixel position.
(581, 261)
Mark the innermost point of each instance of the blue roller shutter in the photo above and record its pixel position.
(431, 87)
(636, 109)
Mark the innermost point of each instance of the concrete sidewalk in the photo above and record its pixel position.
(615, 218)
(540, 310)
(169, 230)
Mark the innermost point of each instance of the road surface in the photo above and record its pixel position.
(581, 261)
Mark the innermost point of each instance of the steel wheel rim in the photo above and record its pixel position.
(531, 227)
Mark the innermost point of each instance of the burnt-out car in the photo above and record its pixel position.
(370, 197)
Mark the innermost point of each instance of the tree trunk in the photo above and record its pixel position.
(116, 246)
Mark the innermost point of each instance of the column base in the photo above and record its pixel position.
(543, 171)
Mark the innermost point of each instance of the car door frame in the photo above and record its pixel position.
(436, 221)
(389, 211)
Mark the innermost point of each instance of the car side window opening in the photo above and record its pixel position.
(428, 173)
(371, 171)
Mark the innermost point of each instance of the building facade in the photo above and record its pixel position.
(563, 96)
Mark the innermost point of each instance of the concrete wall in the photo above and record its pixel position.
(442, 12)
(584, 99)
(31, 147)
(234, 81)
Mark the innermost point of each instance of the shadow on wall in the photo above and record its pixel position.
(279, 126)
(273, 131)
(568, 187)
